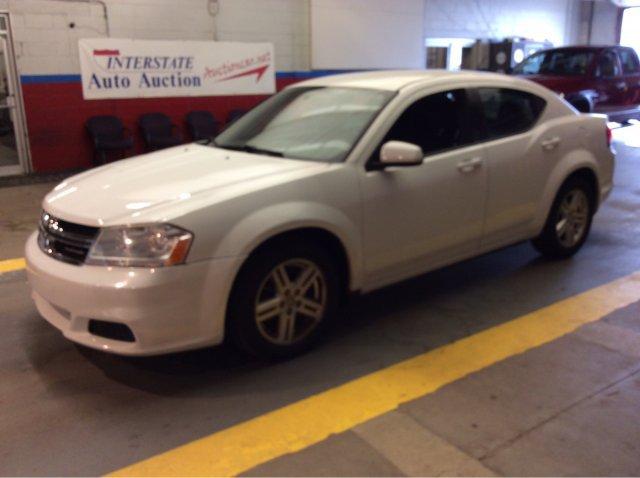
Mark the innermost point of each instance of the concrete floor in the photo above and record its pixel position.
(569, 407)
(19, 211)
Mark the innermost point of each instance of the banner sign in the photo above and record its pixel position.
(119, 68)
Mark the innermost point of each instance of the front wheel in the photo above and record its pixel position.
(569, 220)
(282, 300)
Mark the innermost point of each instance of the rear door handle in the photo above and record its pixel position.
(551, 143)
(469, 165)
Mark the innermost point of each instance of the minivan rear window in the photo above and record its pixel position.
(629, 60)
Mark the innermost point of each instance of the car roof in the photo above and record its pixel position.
(394, 80)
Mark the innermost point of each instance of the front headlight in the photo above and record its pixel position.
(154, 245)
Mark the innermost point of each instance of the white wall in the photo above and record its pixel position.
(45, 44)
(285, 23)
(43, 41)
(364, 34)
(553, 20)
(604, 29)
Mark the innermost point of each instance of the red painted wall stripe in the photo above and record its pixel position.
(56, 115)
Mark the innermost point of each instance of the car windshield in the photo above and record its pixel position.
(310, 123)
(556, 62)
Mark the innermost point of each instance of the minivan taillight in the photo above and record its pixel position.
(609, 136)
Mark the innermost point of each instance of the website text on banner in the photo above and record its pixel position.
(121, 68)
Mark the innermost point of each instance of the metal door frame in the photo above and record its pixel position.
(20, 125)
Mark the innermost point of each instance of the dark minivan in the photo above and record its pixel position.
(598, 79)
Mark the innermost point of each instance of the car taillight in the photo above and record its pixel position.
(609, 136)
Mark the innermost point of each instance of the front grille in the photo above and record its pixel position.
(64, 240)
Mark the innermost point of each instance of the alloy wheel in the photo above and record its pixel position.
(573, 217)
(291, 301)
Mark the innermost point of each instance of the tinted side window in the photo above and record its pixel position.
(629, 61)
(508, 112)
(434, 123)
(608, 65)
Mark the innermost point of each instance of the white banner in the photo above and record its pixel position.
(119, 68)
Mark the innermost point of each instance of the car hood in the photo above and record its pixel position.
(140, 189)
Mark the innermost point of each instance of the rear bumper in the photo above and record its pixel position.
(607, 174)
(167, 309)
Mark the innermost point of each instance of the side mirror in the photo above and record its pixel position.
(399, 153)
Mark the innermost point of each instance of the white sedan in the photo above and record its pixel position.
(334, 185)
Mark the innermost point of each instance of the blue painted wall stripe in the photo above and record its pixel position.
(41, 79)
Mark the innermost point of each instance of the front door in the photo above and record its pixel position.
(611, 85)
(12, 141)
(421, 217)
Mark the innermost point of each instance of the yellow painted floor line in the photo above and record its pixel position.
(301, 424)
(10, 265)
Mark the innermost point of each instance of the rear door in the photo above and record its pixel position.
(512, 149)
(631, 72)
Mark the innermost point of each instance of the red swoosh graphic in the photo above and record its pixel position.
(256, 71)
(106, 52)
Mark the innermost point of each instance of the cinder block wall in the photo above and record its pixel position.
(285, 23)
(45, 43)
(553, 20)
(45, 34)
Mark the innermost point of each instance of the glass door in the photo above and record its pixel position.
(12, 144)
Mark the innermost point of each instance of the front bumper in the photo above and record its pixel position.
(167, 309)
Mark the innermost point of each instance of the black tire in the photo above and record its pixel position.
(255, 278)
(550, 242)
(580, 103)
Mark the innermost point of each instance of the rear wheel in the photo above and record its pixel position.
(282, 300)
(569, 220)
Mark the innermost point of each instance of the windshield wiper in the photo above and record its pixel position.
(249, 149)
(254, 149)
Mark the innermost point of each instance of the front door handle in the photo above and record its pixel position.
(551, 143)
(469, 165)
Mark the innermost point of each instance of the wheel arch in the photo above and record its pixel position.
(315, 235)
(584, 166)
(589, 175)
(322, 224)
